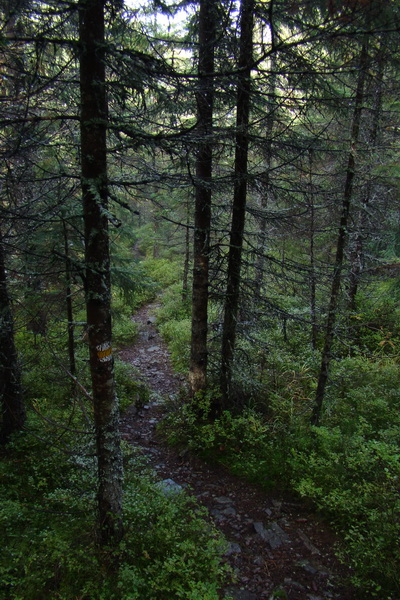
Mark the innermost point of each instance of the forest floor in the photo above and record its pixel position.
(277, 543)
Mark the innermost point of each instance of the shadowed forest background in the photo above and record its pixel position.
(238, 161)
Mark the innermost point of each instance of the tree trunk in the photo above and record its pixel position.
(357, 254)
(186, 264)
(11, 395)
(97, 261)
(12, 404)
(266, 192)
(239, 200)
(68, 292)
(202, 218)
(313, 276)
(341, 242)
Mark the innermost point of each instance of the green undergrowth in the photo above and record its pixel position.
(48, 529)
(349, 466)
(174, 324)
(163, 272)
(46, 381)
(173, 315)
(48, 482)
(46, 369)
(244, 441)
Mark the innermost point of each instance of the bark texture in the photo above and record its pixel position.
(68, 301)
(98, 295)
(267, 192)
(312, 276)
(202, 225)
(357, 257)
(341, 241)
(11, 395)
(12, 404)
(239, 199)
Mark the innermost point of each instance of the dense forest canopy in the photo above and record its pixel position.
(239, 161)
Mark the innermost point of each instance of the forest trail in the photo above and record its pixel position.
(276, 544)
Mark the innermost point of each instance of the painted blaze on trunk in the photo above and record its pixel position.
(98, 287)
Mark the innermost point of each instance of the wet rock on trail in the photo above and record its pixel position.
(277, 547)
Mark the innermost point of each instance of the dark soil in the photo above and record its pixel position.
(275, 542)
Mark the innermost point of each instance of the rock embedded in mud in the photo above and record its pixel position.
(233, 548)
(223, 500)
(169, 487)
(307, 542)
(274, 535)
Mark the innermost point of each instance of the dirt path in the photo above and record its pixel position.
(274, 543)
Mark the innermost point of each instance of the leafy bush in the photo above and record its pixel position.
(177, 335)
(164, 271)
(355, 480)
(177, 554)
(130, 389)
(351, 469)
(47, 511)
(244, 441)
(364, 388)
(47, 521)
(174, 324)
(375, 325)
(172, 306)
(124, 332)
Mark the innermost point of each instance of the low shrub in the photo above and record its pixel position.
(163, 271)
(351, 468)
(130, 389)
(125, 332)
(177, 335)
(47, 521)
(355, 480)
(177, 554)
(245, 441)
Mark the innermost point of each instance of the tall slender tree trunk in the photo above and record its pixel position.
(98, 287)
(202, 217)
(267, 191)
(11, 394)
(313, 277)
(341, 241)
(186, 264)
(12, 404)
(68, 294)
(239, 199)
(357, 254)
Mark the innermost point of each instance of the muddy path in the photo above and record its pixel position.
(275, 543)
